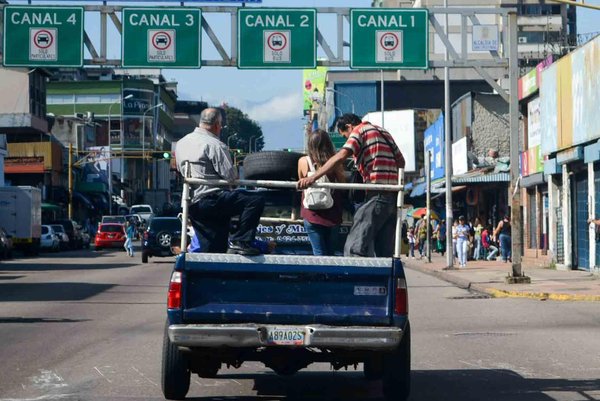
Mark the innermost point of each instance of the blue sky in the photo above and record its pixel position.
(274, 97)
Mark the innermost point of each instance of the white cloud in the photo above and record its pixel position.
(278, 108)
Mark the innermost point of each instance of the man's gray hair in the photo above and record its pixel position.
(210, 116)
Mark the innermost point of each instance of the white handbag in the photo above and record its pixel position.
(317, 198)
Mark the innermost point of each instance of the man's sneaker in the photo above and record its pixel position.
(242, 248)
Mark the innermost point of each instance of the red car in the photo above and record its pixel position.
(110, 235)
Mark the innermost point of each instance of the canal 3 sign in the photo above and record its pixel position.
(394, 38)
(161, 37)
(277, 38)
(43, 36)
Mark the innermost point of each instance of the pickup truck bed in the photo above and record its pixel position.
(287, 312)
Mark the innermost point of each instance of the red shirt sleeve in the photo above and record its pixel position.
(354, 143)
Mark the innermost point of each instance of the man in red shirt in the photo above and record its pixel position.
(378, 159)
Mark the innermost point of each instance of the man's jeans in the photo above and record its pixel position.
(322, 239)
(211, 216)
(505, 247)
(373, 230)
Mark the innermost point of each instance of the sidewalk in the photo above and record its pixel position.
(488, 277)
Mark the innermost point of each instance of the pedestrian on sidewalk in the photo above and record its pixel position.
(462, 241)
(440, 230)
(477, 230)
(411, 241)
(486, 240)
(422, 235)
(502, 234)
(454, 250)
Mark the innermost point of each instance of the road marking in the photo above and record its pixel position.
(144, 376)
(48, 379)
(41, 397)
(101, 374)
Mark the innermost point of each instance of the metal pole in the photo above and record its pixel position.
(185, 198)
(514, 191)
(399, 205)
(70, 210)
(109, 167)
(343, 94)
(122, 140)
(448, 157)
(382, 102)
(143, 139)
(428, 180)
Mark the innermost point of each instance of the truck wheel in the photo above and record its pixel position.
(144, 257)
(396, 370)
(271, 165)
(175, 375)
(373, 367)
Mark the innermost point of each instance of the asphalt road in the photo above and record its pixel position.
(88, 326)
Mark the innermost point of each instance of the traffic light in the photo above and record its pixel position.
(164, 155)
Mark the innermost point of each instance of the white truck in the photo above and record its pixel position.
(21, 216)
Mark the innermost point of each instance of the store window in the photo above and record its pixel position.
(532, 218)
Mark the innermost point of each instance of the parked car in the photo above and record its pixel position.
(161, 233)
(49, 239)
(6, 244)
(62, 235)
(110, 235)
(86, 238)
(72, 230)
(113, 219)
(145, 211)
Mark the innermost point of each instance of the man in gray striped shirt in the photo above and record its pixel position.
(212, 207)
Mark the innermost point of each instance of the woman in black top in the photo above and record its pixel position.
(502, 232)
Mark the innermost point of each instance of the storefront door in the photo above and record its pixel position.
(581, 242)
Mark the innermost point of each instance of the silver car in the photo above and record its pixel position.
(49, 239)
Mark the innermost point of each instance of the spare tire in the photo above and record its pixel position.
(272, 165)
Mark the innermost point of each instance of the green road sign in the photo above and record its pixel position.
(36, 36)
(161, 37)
(390, 38)
(277, 38)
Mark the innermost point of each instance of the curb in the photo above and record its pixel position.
(496, 293)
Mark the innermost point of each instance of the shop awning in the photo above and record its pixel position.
(24, 165)
(419, 190)
(51, 207)
(481, 178)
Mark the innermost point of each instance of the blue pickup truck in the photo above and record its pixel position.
(286, 311)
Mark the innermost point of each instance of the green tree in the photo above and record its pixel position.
(242, 130)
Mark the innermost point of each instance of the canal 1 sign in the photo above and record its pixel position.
(161, 37)
(43, 36)
(394, 39)
(277, 38)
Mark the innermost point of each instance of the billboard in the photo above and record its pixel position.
(313, 82)
(434, 143)
(401, 125)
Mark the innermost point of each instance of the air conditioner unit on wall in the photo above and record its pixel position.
(522, 39)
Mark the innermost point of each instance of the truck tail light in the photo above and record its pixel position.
(401, 301)
(174, 297)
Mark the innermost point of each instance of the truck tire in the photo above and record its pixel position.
(272, 165)
(396, 370)
(175, 375)
(373, 367)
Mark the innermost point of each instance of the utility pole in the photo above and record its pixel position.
(516, 222)
(428, 197)
(70, 170)
(448, 156)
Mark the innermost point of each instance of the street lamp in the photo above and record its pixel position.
(343, 94)
(143, 139)
(110, 151)
(229, 138)
(251, 138)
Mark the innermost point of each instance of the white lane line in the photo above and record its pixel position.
(144, 376)
(101, 374)
(41, 397)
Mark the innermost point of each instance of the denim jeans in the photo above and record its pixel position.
(323, 240)
(505, 246)
(128, 246)
(492, 251)
(477, 251)
(411, 246)
(462, 247)
(373, 229)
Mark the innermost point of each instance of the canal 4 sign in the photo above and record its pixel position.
(161, 38)
(273, 38)
(43, 36)
(394, 39)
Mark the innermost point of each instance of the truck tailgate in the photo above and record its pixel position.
(280, 289)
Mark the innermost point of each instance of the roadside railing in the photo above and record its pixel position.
(188, 181)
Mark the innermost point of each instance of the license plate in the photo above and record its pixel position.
(285, 336)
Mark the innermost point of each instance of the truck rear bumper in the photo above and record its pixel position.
(255, 335)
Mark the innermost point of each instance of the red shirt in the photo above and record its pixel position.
(377, 161)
